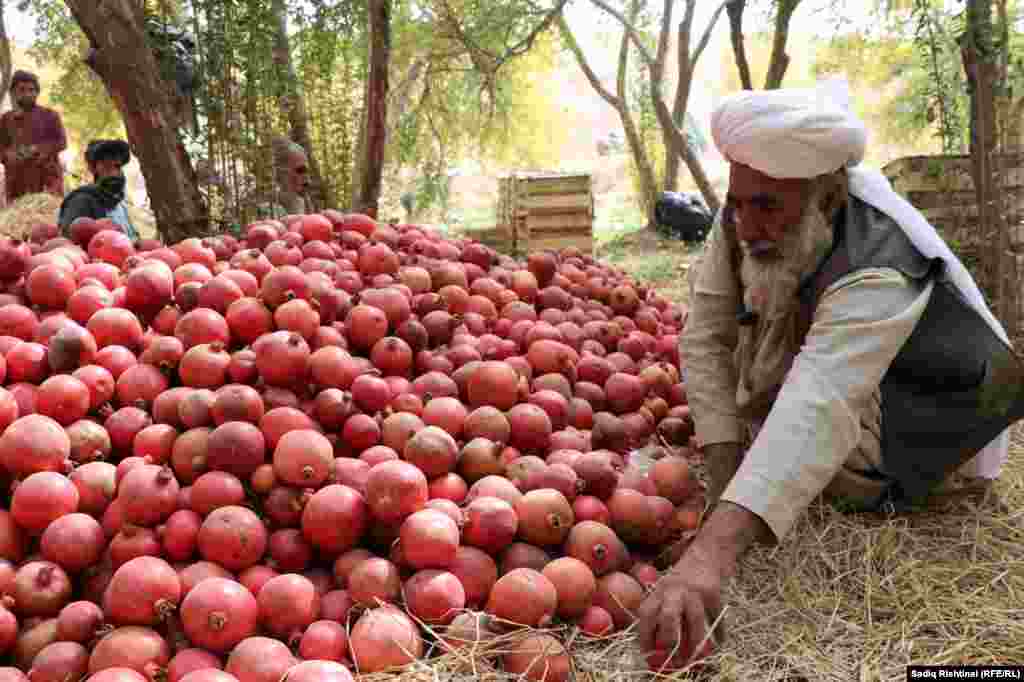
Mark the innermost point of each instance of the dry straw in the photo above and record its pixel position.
(844, 597)
(18, 219)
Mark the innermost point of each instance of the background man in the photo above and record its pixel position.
(31, 140)
(104, 197)
(834, 345)
(292, 171)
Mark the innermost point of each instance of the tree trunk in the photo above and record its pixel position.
(373, 138)
(981, 67)
(780, 60)
(673, 122)
(6, 61)
(123, 60)
(617, 102)
(691, 160)
(673, 156)
(648, 181)
(739, 48)
(294, 104)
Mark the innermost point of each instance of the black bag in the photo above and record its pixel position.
(682, 215)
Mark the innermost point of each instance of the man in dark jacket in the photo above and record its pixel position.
(104, 197)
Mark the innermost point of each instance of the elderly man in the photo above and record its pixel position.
(834, 346)
(292, 174)
(31, 140)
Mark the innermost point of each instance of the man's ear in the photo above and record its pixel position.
(834, 192)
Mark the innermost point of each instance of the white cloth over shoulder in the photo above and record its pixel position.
(804, 133)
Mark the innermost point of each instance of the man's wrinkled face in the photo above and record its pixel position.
(764, 208)
(297, 177)
(24, 94)
(785, 232)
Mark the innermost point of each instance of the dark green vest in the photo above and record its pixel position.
(953, 387)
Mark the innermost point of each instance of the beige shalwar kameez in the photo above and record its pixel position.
(810, 413)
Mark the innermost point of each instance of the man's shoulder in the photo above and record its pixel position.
(81, 194)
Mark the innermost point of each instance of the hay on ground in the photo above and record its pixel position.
(18, 219)
(21, 215)
(844, 597)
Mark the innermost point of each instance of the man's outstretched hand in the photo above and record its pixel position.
(675, 617)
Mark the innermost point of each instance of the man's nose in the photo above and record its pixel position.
(747, 229)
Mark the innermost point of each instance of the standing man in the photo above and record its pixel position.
(104, 197)
(31, 140)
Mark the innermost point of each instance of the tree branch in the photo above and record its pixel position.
(672, 122)
(631, 31)
(671, 159)
(526, 43)
(648, 183)
(623, 63)
(686, 63)
(706, 37)
(581, 59)
(663, 34)
(735, 9)
(780, 60)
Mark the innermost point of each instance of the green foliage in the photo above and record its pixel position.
(464, 81)
(472, 94)
(88, 111)
(331, 57)
(913, 55)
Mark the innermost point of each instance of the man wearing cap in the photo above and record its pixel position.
(31, 140)
(292, 177)
(104, 197)
(834, 346)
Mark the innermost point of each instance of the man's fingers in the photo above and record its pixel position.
(696, 621)
(716, 613)
(669, 622)
(647, 621)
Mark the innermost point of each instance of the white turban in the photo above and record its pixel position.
(790, 133)
(810, 132)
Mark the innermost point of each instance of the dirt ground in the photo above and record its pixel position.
(661, 263)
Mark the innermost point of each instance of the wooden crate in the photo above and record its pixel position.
(498, 237)
(547, 211)
(941, 188)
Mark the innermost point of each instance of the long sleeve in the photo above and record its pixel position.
(859, 326)
(708, 342)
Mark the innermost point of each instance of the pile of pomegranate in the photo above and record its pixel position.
(333, 446)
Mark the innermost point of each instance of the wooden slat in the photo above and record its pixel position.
(561, 221)
(948, 173)
(560, 186)
(556, 202)
(584, 244)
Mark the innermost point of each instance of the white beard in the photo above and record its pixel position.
(771, 283)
